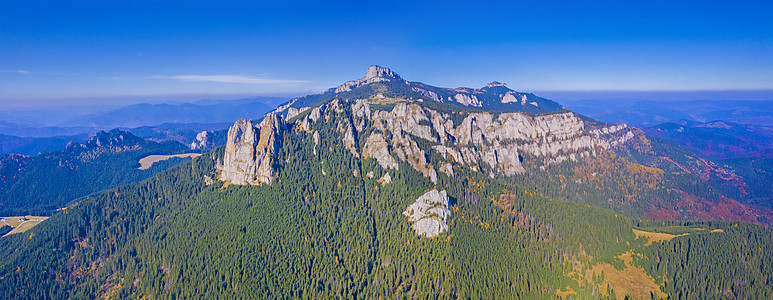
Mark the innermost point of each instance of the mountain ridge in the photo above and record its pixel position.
(385, 84)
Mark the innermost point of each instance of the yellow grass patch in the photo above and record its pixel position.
(563, 294)
(148, 161)
(386, 100)
(718, 230)
(21, 226)
(631, 281)
(655, 236)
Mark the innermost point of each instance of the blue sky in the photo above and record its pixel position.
(59, 52)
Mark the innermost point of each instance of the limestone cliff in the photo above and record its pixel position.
(494, 143)
(429, 213)
(249, 151)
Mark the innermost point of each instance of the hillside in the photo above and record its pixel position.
(371, 197)
(49, 181)
(717, 139)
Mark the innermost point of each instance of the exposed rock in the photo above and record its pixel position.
(447, 169)
(345, 127)
(374, 74)
(511, 96)
(316, 141)
(377, 147)
(202, 141)
(285, 106)
(414, 156)
(312, 118)
(495, 83)
(386, 179)
(468, 100)
(429, 94)
(429, 213)
(361, 112)
(249, 151)
(292, 111)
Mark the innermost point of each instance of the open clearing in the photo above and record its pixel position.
(656, 236)
(631, 281)
(148, 161)
(20, 226)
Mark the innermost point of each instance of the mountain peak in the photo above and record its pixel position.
(496, 83)
(375, 71)
(112, 139)
(374, 74)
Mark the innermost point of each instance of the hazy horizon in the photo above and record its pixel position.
(70, 52)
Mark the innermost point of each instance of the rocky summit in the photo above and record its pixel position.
(249, 151)
(385, 85)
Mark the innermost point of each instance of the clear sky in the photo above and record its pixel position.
(61, 51)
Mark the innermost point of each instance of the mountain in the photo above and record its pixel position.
(197, 136)
(32, 146)
(645, 113)
(385, 87)
(51, 180)
(19, 130)
(47, 123)
(716, 139)
(154, 114)
(361, 196)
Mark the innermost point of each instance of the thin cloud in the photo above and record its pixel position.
(230, 79)
(25, 72)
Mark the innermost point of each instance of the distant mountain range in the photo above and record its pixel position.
(717, 139)
(650, 113)
(157, 122)
(137, 115)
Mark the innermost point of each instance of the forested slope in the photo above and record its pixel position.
(49, 181)
(320, 231)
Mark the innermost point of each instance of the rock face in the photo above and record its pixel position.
(377, 147)
(494, 143)
(512, 97)
(202, 141)
(467, 100)
(374, 74)
(429, 213)
(249, 151)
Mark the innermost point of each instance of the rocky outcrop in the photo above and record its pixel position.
(429, 94)
(292, 111)
(249, 151)
(374, 74)
(496, 84)
(429, 213)
(202, 141)
(512, 97)
(312, 117)
(386, 179)
(484, 139)
(377, 147)
(467, 100)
